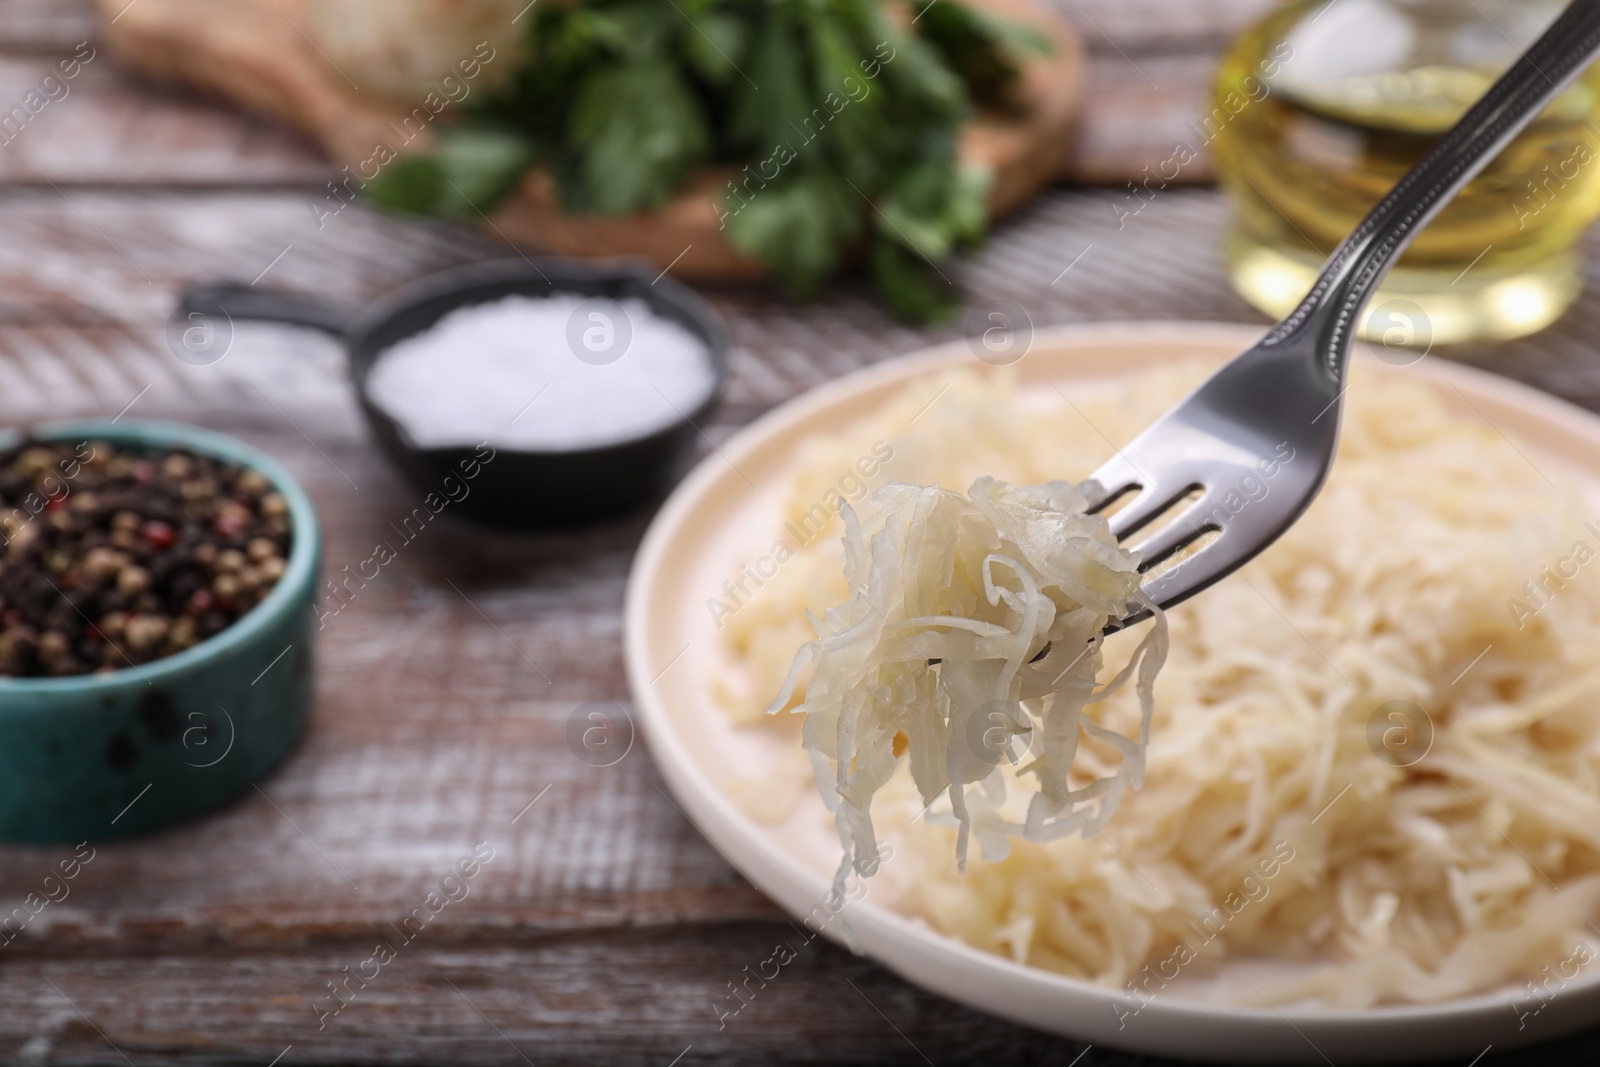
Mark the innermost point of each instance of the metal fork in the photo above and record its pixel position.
(1286, 392)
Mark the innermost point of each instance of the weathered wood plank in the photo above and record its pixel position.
(104, 127)
(637, 999)
(45, 26)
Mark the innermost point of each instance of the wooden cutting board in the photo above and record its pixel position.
(257, 54)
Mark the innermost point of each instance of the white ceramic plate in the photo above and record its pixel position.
(726, 512)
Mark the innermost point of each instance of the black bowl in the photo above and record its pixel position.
(517, 488)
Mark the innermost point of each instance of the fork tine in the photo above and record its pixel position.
(1114, 478)
(1192, 523)
(1195, 573)
(1201, 570)
(1149, 504)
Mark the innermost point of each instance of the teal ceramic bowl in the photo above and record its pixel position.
(107, 755)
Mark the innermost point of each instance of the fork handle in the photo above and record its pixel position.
(1362, 260)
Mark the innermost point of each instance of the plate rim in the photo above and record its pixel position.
(730, 830)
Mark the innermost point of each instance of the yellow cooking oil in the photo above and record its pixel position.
(1321, 107)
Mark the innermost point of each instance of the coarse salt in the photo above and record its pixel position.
(543, 373)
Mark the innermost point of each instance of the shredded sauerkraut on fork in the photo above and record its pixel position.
(973, 623)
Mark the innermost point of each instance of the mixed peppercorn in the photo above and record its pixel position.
(111, 558)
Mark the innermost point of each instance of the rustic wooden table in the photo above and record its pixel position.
(605, 929)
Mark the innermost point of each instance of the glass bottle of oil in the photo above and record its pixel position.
(1322, 106)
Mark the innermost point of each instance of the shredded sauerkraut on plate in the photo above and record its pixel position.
(1375, 750)
(972, 620)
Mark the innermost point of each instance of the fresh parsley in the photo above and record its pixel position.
(836, 121)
